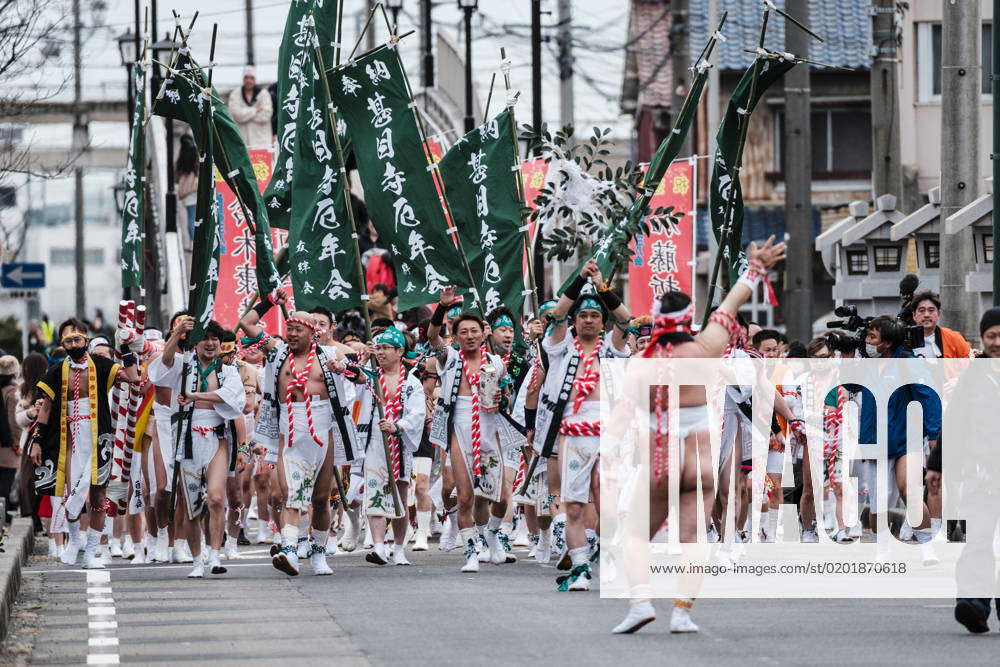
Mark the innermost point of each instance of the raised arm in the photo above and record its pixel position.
(181, 327)
(618, 310)
(715, 336)
(437, 319)
(249, 322)
(560, 314)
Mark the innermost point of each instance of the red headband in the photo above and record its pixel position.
(299, 320)
(679, 320)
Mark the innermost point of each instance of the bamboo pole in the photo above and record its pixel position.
(731, 200)
(331, 119)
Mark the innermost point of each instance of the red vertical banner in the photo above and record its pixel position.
(533, 175)
(664, 260)
(237, 252)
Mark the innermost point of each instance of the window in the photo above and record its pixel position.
(857, 262)
(929, 40)
(932, 254)
(887, 258)
(841, 143)
(65, 256)
(988, 247)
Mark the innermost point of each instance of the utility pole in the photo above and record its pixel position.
(961, 90)
(249, 22)
(565, 43)
(80, 143)
(427, 44)
(887, 171)
(536, 123)
(798, 180)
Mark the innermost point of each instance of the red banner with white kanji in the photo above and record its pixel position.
(238, 255)
(664, 260)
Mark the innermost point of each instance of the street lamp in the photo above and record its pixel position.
(395, 6)
(128, 52)
(468, 6)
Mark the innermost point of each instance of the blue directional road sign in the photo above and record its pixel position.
(22, 276)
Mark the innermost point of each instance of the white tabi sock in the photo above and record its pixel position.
(73, 528)
(289, 536)
(93, 539)
(579, 555)
(399, 550)
(493, 524)
(480, 530)
(591, 534)
(935, 526)
(772, 527)
(320, 538)
(466, 534)
(765, 522)
(424, 522)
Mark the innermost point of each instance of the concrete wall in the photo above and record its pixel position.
(920, 120)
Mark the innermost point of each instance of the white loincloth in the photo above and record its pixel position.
(490, 458)
(304, 458)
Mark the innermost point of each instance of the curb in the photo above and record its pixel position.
(17, 546)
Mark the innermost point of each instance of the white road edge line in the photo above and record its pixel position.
(102, 644)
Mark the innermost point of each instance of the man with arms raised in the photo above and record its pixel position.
(304, 402)
(215, 395)
(569, 408)
(469, 430)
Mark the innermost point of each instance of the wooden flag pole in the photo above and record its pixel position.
(331, 119)
(726, 229)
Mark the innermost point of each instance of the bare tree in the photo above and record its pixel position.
(29, 38)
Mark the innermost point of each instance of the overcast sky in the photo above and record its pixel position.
(600, 31)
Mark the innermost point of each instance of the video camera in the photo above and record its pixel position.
(854, 323)
(913, 334)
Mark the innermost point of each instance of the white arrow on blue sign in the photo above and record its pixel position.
(22, 276)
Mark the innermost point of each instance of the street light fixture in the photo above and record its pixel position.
(468, 6)
(128, 52)
(395, 6)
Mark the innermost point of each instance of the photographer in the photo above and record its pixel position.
(939, 342)
(884, 338)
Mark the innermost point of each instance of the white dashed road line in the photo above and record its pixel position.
(102, 645)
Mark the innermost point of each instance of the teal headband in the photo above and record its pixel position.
(589, 303)
(454, 311)
(548, 305)
(502, 321)
(391, 336)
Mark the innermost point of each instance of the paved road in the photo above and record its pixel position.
(430, 614)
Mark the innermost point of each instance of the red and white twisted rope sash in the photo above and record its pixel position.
(477, 436)
(579, 429)
(203, 430)
(393, 409)
(299, 380)
(833, 421)
(587, 377)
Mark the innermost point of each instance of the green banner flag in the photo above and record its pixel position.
(295, 44)
(321, 251)
(725, 175)
(207, 217)
(135, 181)
(180, 98)
(479, 174)
(401, 194)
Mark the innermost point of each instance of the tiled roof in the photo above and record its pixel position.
(844, 25)
(648, 70)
